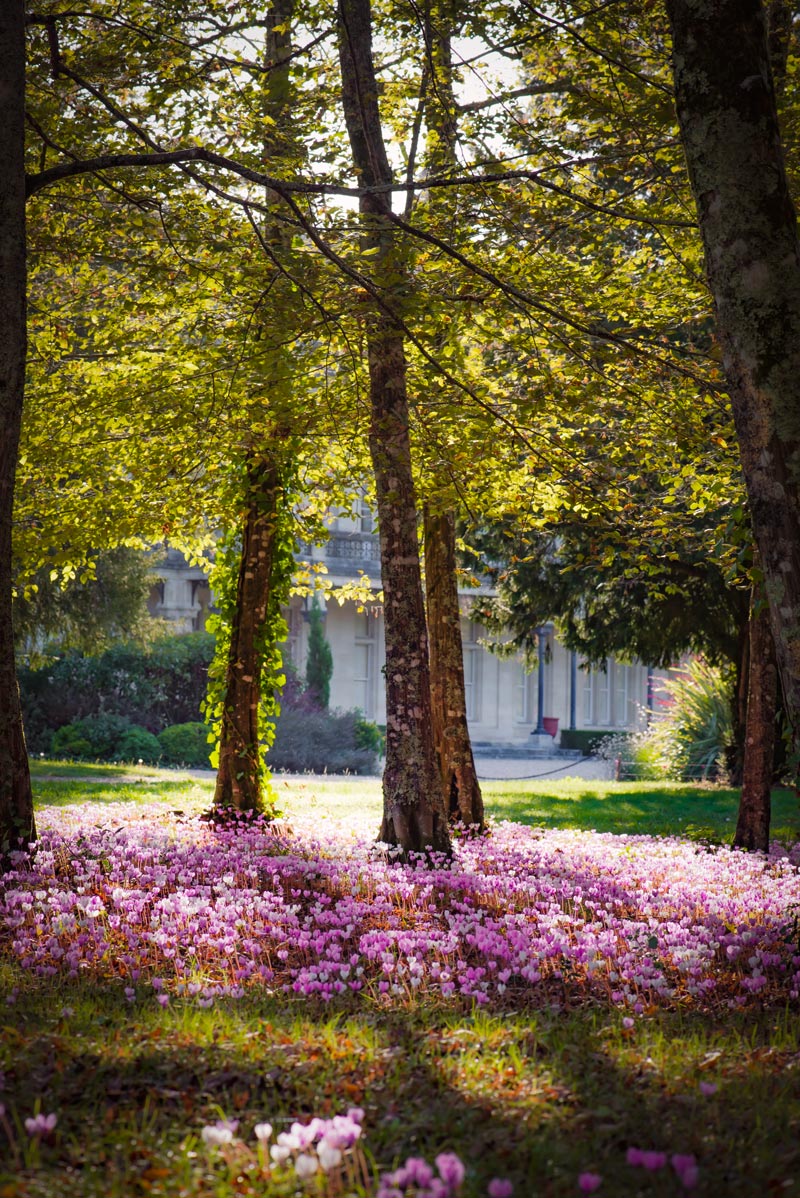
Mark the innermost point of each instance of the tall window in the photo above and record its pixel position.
(364, 652)
(472, 669)
(523, 707)
(621, 683)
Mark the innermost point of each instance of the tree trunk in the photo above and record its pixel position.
(414, 814)
(17, 826)
(239, 773)
(727, 111)
(462, 791)
(752, 827)
(735, 755)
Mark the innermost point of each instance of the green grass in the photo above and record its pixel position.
(652, 808)
(537, 1097)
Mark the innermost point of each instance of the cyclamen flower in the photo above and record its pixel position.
(686, 1168)
(500, 1187)
(707, 1089)
(329, 1156)
(219, 1133)
(589, 1182)
(41, 1125)
(305, 1165)
(451, 1169)
(262, 1132)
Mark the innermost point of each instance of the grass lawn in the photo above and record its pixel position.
(538, 1085)
(651, 808)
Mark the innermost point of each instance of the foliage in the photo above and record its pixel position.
(694, 727)
(97, 736)
(186, 744)
(633, 756)
(154, 686)
(324, 742)
(138, 745)
(319, 659)
(613, 590)
(61, 610)
(369, 736)
(586, 740)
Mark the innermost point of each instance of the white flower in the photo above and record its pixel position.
(280, 1153)
(329, 1155)
(262, 1131)
(305, 1165)
(213, 1137)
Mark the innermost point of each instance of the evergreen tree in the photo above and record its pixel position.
(319, 663)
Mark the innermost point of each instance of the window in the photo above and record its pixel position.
(472, 669)
(621, 678)
(523, 707)
(364, 652)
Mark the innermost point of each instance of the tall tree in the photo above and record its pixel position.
(414, 816)
(725, 97)
(462, 789)
(16, 804)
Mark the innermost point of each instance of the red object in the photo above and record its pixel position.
(551, 725)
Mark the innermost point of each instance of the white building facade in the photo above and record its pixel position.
(503, 697)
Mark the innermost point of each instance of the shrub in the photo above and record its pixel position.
(138, 745)
(368, 736)
(153, 687)
(585, 740)
(696, 726)
(633, 756)
(320, 742)
(96, 736)
(186, 744)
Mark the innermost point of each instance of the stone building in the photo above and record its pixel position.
(503, 698)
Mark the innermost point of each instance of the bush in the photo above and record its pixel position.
(152, 687)
(585, 740)
(186, 744)
(138, 745)
(369, 736)
(696, 726)
(633, 756)
(321, 742)
(97, 736)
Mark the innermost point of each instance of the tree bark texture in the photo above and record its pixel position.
(239, 772)
(414, 816)
(17, 827)
(727, 111)
(462, 791)
(752, 826)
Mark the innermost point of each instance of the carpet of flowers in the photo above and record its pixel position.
(175, 906)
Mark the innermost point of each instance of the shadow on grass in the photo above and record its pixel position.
(629, 809)
(537, 1097)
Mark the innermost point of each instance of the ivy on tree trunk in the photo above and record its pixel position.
(239, 775)
(726, 105)
(414, 816)
(16, 803)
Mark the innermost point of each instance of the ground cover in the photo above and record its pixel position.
(555, 1007)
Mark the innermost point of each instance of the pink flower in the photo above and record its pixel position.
(686, 1168)
(500, 1187)
(451, 1170)
(708, 1088)
(589, 1182)
(41, 1125)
